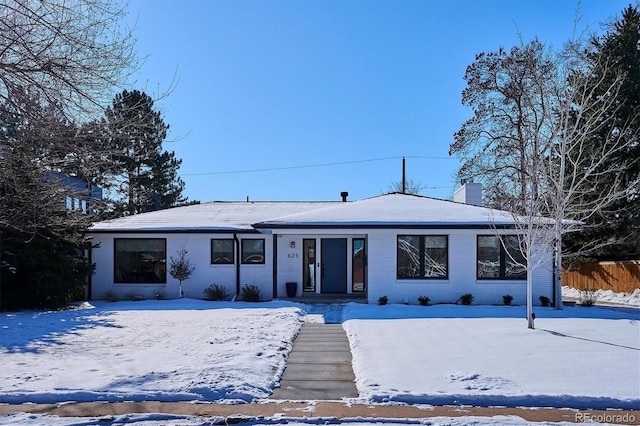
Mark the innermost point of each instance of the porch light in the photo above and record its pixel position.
(292, 244)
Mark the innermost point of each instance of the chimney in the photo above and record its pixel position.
(469, 193)
(344, 195)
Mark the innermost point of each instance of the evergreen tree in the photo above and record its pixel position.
(143, 177)
(41, 244)
(167, 185)
(616, 54)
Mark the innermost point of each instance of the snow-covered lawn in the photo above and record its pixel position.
(173, 350)
(188, 350)
(564, 362)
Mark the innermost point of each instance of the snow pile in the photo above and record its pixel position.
(606, 296)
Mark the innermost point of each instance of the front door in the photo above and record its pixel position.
(334, 265)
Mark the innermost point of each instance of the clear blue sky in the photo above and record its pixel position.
(287, 84)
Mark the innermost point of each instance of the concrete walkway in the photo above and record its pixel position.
(319, 366)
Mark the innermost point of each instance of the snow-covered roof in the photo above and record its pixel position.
(390, 210)
(213, 216)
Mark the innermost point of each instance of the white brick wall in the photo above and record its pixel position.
(260, 275)
(382, 279)
(289, 263)
(381, 270)
(199, 254)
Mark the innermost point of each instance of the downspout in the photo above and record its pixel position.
(557, 278)
(89, 293)
(235, 237)
(275, 266)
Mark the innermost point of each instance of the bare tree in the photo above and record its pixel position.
(509, 94)
(535, 115)
(60, 61)
(181, 268)
(410, 187)
(69, 53)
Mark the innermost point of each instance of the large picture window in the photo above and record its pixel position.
(222, 252)
(500, 258)
(253, 251)
(422, 257)
(140, 260)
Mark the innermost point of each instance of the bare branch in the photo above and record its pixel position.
(69, 53)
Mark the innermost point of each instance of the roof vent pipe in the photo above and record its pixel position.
(344, 195)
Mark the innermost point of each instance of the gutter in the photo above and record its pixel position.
(380, 225)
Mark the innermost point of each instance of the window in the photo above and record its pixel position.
(500, 258)
(358, 264)
(309, 265)
(253, 251)
(422, 257)
(222, 252)
(140, 260)
(515, 262)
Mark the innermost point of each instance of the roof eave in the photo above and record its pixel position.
(184, 230)
(383, 225)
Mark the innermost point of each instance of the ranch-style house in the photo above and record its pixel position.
(396, 245)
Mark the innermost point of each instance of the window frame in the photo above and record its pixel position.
(231, 261)
(309, 273)
(422, 254)
(116, 280)
(354, 266)
(503, 257)
(243, 257)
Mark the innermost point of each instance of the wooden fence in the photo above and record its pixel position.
(621, 277)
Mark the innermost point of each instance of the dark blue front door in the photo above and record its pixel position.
(334, 265)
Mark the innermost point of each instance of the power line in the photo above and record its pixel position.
(308, 166)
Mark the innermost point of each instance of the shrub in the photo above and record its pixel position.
(111, 296)
(383, 300)
(588, 297)
(250, 293)
(133, 297)
(466, 299)
(507, 299)
(216, 292)
(424, 300)
(545, 301)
